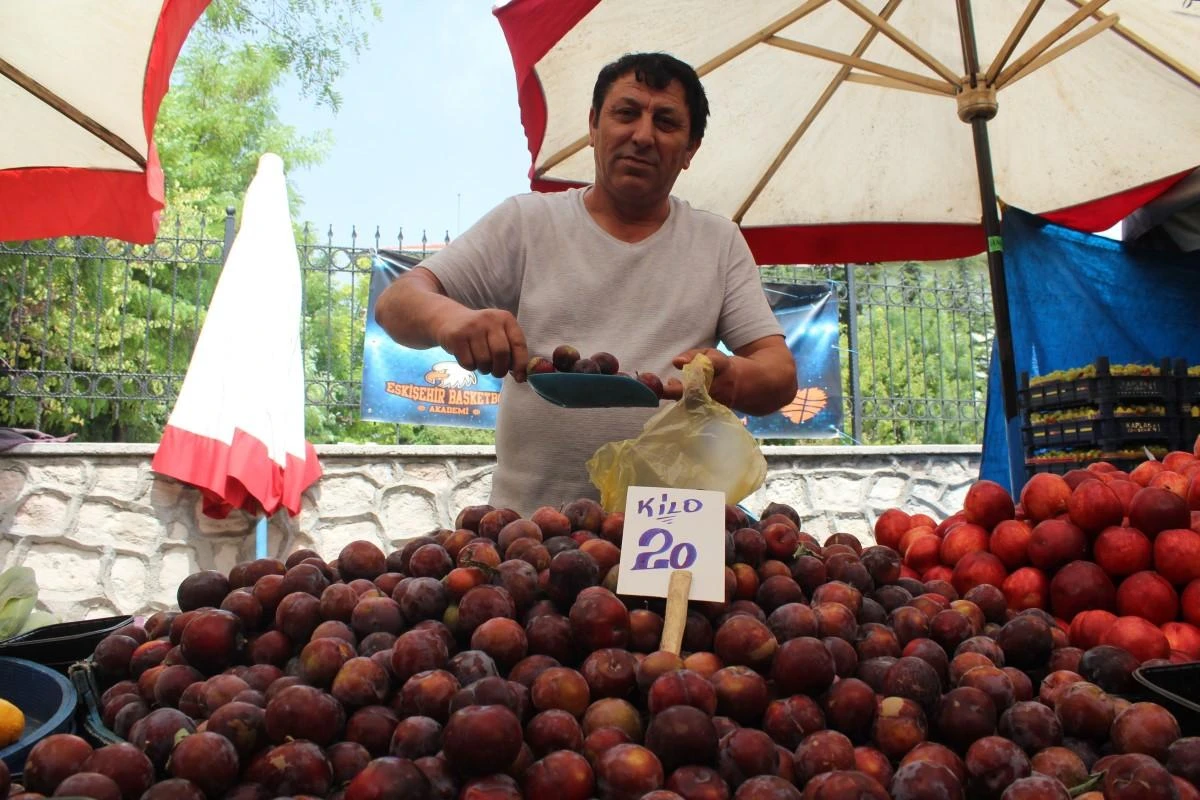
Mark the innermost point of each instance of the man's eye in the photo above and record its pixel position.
(625, 113)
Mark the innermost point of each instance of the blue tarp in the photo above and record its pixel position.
(1074, 297)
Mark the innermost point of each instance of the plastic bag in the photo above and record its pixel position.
(693, 443)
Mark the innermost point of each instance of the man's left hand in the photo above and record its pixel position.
(725, 376)
(759, 378)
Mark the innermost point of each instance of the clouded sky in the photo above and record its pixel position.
(428, 136)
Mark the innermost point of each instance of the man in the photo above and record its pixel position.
(620, 266)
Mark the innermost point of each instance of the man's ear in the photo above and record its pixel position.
(690, 152)
(592, 127)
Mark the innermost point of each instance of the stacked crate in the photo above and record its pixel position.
(1101, 416)
(1189, 396)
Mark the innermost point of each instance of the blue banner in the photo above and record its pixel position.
(420, 387)
(1074, 297)
(808, 314)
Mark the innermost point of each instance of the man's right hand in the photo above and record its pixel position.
(489, 340)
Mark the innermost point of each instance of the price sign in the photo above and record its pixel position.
(672, 529)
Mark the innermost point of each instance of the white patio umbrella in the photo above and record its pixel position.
(80, 86)
(237, 429)
(837, 128)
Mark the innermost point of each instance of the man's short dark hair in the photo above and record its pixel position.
(657, 70)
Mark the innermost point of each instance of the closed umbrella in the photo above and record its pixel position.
(837, 132)
(237, 429)
(80, 86)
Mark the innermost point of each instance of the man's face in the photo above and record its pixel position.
(641, 139)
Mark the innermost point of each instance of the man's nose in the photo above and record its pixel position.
(643, 129)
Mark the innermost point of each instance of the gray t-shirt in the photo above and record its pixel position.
(544, 259)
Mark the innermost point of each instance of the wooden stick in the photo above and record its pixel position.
(908, 45)
(1061, 49)
(1010, 44)
(675, 617)
(1149, 49)
(1044, 44)
(889, 83)
(950, 89)
(722, 58)
(759, 36)
(72, 113)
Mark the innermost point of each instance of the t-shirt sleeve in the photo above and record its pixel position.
(483, 267)
(745, 313)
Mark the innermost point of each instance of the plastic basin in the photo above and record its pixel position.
(47, 699)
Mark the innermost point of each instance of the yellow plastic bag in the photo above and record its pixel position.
(693, 443)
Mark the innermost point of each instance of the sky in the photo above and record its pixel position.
(428, 136)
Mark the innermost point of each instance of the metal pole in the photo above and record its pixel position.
(230, 221)
(852, 345)
(995, 253)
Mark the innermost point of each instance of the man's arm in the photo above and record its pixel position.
(416, 312)
(759, 379)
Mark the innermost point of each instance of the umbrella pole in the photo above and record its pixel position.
(976, 109)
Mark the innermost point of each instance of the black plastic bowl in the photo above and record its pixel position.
(1175, 687)
(59, 646)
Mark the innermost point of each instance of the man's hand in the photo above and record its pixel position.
(489, 340)
(758, 379)
(725, 376)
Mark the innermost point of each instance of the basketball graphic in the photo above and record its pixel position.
(807, 403)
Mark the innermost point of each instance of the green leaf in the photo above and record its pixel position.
(18, 596)
(39, 619)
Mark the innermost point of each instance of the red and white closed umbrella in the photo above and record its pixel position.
(80, 86)
(237, 429)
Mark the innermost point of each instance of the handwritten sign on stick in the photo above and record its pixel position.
(673, 529)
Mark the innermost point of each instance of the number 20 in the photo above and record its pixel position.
(682, 555)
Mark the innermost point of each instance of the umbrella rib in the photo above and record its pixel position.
(1150, 50)
(1014, 38)
(1061, 49)
(890, 83)
(720, 59)
(72, 113)
(1044, 44)
(908, 45)
(869, 66)
(810, 117)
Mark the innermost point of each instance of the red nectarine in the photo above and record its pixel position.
(1139, 636)
(1044, 496)
(987, 504)
(1028, 587)
(1148, 595)
(1094, 506)
(1089, 627)
(1122, 551)
(1010, 543)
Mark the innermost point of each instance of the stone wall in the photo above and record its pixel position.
(106, 536)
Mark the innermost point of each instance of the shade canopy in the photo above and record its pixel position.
(835, 133)
(80, 84)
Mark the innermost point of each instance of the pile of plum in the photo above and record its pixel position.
(495, 660)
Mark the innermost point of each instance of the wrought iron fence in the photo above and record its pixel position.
(96, 336)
